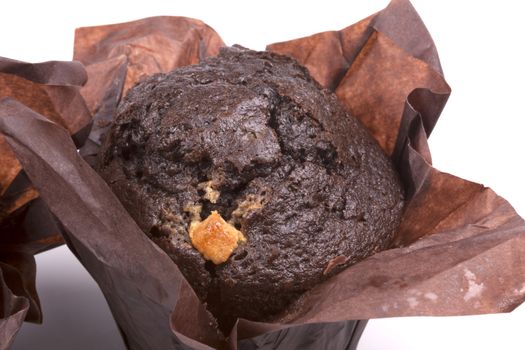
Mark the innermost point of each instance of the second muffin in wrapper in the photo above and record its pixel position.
(454, 234)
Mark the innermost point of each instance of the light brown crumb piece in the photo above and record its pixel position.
(194, 210)
(251, 203)
(214, 238)
(210, 193)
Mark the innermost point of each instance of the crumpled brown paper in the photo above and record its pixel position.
(51, 89)
(26, 225)
(458, 251)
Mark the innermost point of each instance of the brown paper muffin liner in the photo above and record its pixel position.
(458, 250)
(26, 225)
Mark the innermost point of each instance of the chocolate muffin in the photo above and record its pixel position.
(252, 178)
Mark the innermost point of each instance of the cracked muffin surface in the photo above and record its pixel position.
(250, 136)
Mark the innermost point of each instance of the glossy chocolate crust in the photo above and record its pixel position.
(321, 195)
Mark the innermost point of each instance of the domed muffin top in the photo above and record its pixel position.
(250, 136)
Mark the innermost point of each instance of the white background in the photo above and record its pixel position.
(478, 137)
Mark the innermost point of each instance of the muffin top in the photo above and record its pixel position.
(248, 146)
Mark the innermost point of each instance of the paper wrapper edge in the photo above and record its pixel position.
(26, 226)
